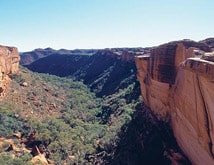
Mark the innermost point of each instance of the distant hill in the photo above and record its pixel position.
(209, 41)
(105, 72)
(29, 57)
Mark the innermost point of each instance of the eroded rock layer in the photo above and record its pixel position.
(177, 84)
(9, 64)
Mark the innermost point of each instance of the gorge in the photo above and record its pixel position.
(108, 122)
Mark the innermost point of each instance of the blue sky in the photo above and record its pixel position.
(70, 24)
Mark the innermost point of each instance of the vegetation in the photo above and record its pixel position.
(8, 122)
(6, 159)
(75, 123)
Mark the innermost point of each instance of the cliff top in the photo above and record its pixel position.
(190, 43)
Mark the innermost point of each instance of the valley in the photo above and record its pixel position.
(85, 107)
(78, 123)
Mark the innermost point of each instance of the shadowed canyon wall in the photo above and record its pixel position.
(177, 84)
(9, 64)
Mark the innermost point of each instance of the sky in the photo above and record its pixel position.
(77, 24)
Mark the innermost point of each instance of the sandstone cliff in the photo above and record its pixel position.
(177, 84)
(9, 64)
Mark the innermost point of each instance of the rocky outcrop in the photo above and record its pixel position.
(22, 144)
(177, 84)
(9, 64)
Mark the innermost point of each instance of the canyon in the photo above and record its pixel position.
(177, 85)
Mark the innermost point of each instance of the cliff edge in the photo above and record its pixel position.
(177, 84)
(9, 64)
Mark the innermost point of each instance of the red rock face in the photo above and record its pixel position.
(178, 86)
(162, 64)
(9, 64)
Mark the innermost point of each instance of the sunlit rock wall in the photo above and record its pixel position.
(178, 86)
(9, 64)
